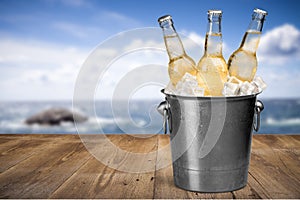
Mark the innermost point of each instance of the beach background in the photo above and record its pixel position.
(44, 43)
(281, 116)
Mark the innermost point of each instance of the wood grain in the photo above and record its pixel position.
(41, 174)
(97, 180)
(275, 167)
(59, 166)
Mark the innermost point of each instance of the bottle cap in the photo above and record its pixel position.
(214, 12)
(263, 12)
(164, 18)
(214, 15)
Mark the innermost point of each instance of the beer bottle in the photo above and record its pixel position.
(212, 68)
(243, 62)
(180, 63)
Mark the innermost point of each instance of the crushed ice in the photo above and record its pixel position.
(188, 86)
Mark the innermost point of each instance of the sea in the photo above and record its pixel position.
(280, 116)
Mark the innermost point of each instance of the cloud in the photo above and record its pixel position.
(28, 53)
(191, 39)
(138, 64)
(78, 31)
(281, 83)
(101, 24)
(38, 84)
(43, 70)
(280, 45)
(118, 18)
(135, 49)
(139, 43)
(32, 69)
(194, 44)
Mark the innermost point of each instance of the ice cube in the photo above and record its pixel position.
(233, 79)
(170, 89)
(261, 85)
(230, 89)
(189, 77)
(188, 86)
(198, 91)
(247, 88)
(232, 86)
(256, 89)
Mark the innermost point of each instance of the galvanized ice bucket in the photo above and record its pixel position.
(210, 140)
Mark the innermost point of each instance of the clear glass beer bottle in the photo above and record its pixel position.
(243, 62)
(212, 68)
(180, 63)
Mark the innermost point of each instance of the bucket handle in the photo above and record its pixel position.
(259, 106)
(164, 109)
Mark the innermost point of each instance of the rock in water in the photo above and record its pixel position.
(54, 116)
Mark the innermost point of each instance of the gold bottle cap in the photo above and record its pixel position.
(164, 18)
(263, 12)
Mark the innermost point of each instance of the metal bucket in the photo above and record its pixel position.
(210, 140)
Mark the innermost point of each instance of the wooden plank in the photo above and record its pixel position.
(8, 143)
(59, 166)
(252, 190)
(39, 175)
(19, 152)
(85, 182)
(97, 180)
(277, 177)
(266, 150)
(164, 185)
(61, 137)
(131, 185)
(279, 141)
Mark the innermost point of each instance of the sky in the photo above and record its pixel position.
(44, 44)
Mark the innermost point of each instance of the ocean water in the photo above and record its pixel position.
(280, 116)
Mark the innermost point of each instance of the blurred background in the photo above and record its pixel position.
(43, 44)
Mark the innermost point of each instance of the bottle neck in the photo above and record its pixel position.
(172, 41)
(251, 38)
(257, 22)
(213, 40)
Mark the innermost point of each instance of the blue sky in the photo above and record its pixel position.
(43, 43)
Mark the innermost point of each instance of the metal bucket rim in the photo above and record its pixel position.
(210, 97)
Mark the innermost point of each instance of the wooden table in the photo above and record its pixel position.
(59, 166)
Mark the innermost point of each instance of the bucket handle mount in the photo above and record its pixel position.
(164, 109)
(259, 106)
